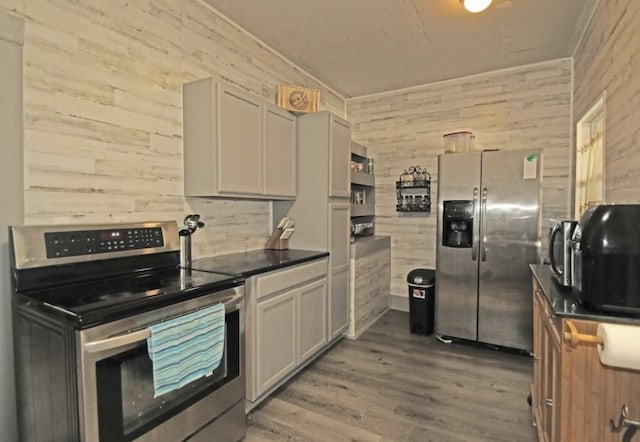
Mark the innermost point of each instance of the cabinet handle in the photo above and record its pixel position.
(623, 421)
(483, 233)
(535, 357)
(548, 402)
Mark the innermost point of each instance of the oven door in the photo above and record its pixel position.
(116, 391)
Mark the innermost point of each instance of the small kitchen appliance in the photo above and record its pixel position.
(86, 300)
(605, 251)
(560, 233)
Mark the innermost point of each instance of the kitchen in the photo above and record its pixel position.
(103, 122)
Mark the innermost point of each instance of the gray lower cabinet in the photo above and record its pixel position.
(339, 247)
(286, 324)
(339, 302)
(279, 152)
(312, 319)
(276, 329)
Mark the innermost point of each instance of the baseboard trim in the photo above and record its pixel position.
(397, 302)
(364, 329)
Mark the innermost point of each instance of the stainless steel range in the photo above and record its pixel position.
(86, 299)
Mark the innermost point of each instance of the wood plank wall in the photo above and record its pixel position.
(11, 183)
(608, 60)
(517, 108)
(103, 111)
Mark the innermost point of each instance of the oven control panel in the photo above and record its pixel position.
(89, 242)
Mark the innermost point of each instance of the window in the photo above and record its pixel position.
(590, 159)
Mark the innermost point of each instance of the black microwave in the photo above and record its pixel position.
(560, 232)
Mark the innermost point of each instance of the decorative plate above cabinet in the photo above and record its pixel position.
(236, 144)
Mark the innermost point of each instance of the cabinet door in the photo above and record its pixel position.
(239, 141)
(339, 246)
(538, 330)
(276, 328)
(339, 157)
(550, 383)
(339, 236)
(556, 385)
(339, 303)
(279, 153)
(312, 318)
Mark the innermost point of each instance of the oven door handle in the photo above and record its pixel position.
(117, 341)
(139, 335)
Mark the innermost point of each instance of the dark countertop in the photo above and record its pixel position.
(254, 262)
(564, 303)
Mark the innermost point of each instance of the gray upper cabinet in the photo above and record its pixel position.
(279, 152)
(239, 141)
(339, 155)
(236, 144)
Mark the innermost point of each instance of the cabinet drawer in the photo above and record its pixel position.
(284, 279)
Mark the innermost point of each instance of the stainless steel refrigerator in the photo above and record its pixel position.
(488, 234)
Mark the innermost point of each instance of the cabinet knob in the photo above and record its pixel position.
(548, 402)
(535, 357)
(551, 316)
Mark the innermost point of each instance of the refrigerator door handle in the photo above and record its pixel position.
(474, 236)
(483, 216)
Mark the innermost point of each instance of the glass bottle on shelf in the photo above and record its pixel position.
(405, 202)
(409, 177)
(404, 178)
(418, 176)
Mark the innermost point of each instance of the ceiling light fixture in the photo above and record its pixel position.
(475, 5)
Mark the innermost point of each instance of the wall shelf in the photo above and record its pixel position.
(363, 200)
(413, 196)
(368, 209)
(362, 179)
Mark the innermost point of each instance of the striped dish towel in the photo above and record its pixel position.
(186, 348)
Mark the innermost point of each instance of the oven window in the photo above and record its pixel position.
(124, 382)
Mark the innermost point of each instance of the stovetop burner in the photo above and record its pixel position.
(90, 299)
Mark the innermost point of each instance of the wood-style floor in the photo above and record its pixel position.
(390, 385)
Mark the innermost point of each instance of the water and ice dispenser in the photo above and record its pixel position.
(457, 223)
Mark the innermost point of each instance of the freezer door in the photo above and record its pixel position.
(509, 242)
(457, 268)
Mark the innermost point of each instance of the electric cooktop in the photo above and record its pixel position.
(98, 301)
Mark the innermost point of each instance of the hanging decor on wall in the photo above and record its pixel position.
(413, 190)
(298, 99)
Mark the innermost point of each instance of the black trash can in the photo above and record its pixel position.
(422, 294)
